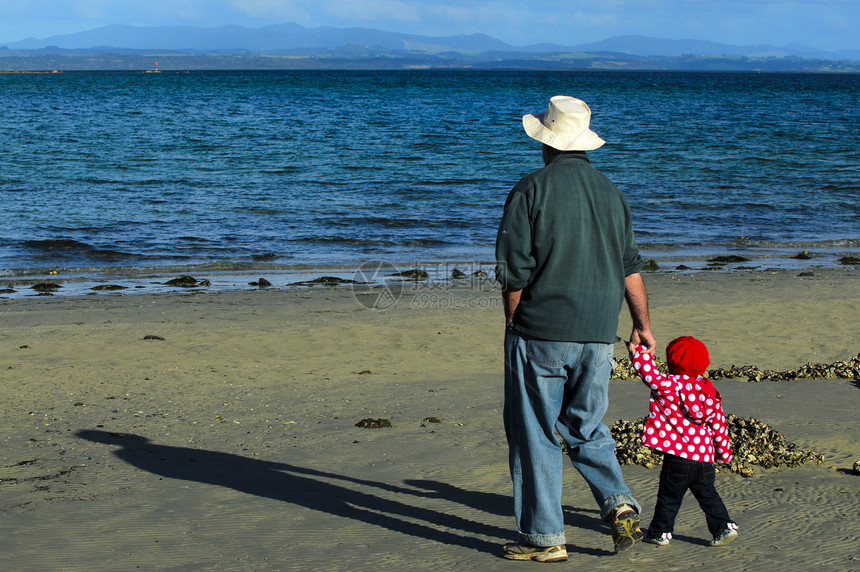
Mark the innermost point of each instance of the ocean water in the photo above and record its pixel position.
(128, 174)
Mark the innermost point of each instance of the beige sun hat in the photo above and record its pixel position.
(564, 126)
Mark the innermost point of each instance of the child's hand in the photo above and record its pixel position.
(638, 349)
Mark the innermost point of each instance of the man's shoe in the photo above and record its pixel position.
(729, 533)
(661, 540)
(523, 551)
(625, 527)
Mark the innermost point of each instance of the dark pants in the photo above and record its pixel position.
(676, 477)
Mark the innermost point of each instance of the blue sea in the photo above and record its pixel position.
(119, 176)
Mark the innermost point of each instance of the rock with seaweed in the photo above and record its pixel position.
(843, 369)
(628, 444)
(754, 442)
(623, 368)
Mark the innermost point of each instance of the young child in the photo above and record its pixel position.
(686, 423)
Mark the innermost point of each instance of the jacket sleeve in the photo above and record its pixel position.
(644, 365)
(632, 259)
(722, 444)
(514, 259)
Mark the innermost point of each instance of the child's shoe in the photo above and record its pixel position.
(729, 533)
(661, 540)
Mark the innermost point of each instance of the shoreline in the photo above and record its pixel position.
(18, 283)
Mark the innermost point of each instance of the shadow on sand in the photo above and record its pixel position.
(334, 494)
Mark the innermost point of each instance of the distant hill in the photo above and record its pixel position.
(293, 36)
(645, 46)
(267, 38)
(231, 47)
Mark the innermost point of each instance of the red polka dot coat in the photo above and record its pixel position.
(685, 416)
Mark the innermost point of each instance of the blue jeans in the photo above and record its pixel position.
(563, 387)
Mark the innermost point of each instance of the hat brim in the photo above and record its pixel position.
(585, 141)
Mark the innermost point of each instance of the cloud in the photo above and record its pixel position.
(373, 10)
(273, 11)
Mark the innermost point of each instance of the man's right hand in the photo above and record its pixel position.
(511, 299)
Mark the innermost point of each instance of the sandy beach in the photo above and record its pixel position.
(217, 430)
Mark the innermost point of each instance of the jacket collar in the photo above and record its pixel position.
(569, 156)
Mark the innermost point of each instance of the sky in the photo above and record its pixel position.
(822, 24)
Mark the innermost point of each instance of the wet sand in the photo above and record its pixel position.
(216, 431)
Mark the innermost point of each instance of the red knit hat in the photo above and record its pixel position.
(687, 355)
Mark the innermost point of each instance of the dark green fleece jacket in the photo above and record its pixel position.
(566, 240)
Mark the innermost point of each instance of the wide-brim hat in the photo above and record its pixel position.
(564, 125)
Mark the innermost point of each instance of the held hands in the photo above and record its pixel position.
(644, 338)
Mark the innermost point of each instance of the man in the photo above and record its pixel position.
(566, 260)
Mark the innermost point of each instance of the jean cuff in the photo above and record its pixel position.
(543, 540)
(613, 502)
